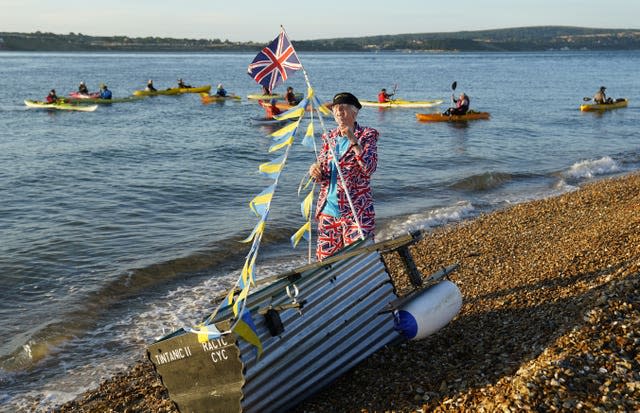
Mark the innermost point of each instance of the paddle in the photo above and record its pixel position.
(395, 86)
(586, 98)
(454, 85)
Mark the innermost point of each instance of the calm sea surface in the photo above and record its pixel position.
(120, 225)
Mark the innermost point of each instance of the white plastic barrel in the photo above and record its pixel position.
(428, 311)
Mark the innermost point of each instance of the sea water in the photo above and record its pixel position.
(121, 225)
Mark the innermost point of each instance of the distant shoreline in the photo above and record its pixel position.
(522, 39)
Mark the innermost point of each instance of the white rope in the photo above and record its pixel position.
(333, 154)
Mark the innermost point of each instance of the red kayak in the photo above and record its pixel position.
(78, 95)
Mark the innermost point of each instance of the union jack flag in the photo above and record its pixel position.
(274, 63)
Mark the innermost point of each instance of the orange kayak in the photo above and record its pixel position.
(439, 117)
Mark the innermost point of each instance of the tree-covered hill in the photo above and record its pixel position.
(514, 39)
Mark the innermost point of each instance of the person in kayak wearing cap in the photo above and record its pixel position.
(600, 97)
(82, 89)
(220, 91)
(462, 105)
(355, 147)
(150, 87)
(383, 96)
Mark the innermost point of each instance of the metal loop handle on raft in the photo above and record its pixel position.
(293, 294)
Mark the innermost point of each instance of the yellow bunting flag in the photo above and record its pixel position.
(309, 130)
(280, 145)
(241, 297)
(283, 131)
(323, 108)
(272, 168)
(308, 137)
(290, 114)
(247, 271)
(246, 329)
(205, 332)
(260, 202)
(306, 205)
(300, 233)
(257, 230)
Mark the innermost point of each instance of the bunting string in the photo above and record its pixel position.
(265, 71)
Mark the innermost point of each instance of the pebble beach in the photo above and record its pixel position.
(550, 319)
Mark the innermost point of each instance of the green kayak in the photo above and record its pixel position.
(103, 101)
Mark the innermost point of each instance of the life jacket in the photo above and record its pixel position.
(270, 111)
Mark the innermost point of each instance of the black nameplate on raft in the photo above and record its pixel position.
(201, 377)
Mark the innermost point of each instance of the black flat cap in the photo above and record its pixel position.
(346, 97)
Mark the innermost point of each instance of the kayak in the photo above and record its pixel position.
(400, 103)
(271, 121)
(280, 105)
(59, 106)
(104, 101)
(439, 117)
(591, 107)
(78, 95)
(173, 91)
(283, 106)
(274, 96)
(207, 98)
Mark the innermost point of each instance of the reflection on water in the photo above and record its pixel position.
(133, 202)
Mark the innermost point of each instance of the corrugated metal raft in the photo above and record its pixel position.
(315, 323)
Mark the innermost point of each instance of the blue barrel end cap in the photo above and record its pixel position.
(405, 324)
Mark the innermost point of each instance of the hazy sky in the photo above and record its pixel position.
(245, 20)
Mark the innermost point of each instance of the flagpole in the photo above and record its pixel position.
(331, 149)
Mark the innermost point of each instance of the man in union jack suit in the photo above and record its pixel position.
(344, 217)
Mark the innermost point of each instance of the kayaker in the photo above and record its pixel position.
(271, 109)
(462, 105)
(182, 85)
(105, 93)
(266, 91)
(150, 87)
(51, 97)
(82, 89)
(220, 91)
(290, 97)
(383, 96)
(355, 147)
(600, 97)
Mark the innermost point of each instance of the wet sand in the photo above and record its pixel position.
(550, 319)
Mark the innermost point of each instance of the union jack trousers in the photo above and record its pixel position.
(336, 233)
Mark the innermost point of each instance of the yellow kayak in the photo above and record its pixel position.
(207, 98)
(439, 117)
(173, 91)
(275, 96)
(590, 107)
(401, 103)
(59, 106)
